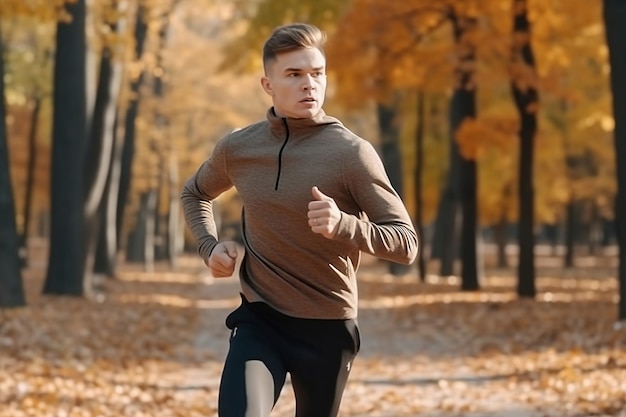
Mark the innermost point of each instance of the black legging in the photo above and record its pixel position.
(265, 345)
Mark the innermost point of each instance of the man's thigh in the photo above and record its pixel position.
(320, 369)
(319, 387)
(253, 375)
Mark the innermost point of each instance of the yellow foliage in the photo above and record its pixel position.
(375, 48)
(552, 185)
(380, 46)
(44, 10)
(497, 185)
(475, 136)
(154, 346)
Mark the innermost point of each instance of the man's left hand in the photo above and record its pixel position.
(324, 215)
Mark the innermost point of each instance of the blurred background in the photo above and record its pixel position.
(493, 118)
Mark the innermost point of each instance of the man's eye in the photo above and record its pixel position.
(292, 74)
(318, 74)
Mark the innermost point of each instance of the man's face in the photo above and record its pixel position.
(296, 81)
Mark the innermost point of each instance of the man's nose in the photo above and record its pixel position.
(308, 84)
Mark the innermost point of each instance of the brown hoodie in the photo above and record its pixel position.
(273, 165)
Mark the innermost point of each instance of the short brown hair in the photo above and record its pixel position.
(291, 37)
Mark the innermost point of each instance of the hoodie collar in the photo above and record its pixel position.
(297, 127)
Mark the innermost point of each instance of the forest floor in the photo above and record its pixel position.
(152, 344)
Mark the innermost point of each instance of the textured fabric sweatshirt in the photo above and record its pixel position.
(273, 164)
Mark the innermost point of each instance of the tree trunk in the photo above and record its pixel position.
(392, 158)
(419, 188)
(445, 239)
(101, 147)
(459, 196)
(102, 264)
(445, 244)
(463, 106)
(614, 18)
(98, 159)
(140, 247)
(160, 226)
(11, 286)
(608, 232)
(30, 179)
(571, 162)
(167, 226)
(107, 248)
(469, 208)
(128, 146)
(591, 228)
(526, 98)
(174, 232)
(500, 234)
(149, 239)
(66, 254)
(570, 234)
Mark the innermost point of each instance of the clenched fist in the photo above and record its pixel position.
(223, 259)
(323, 214)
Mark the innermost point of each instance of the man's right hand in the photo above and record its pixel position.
(223, 259)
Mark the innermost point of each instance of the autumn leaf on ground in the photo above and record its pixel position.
(154, 345)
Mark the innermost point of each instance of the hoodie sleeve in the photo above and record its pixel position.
(198, 196)
(387, 232)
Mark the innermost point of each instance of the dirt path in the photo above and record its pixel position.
(153, 345)
(429, 350)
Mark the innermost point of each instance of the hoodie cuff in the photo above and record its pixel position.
(346, 228)
(206, 246)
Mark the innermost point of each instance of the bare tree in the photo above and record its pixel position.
(11, 287)
(614, 18)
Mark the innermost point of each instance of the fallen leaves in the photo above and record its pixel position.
(154, 345)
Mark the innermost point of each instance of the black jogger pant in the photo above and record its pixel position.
(265, 345)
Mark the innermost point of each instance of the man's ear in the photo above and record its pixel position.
(267, 85)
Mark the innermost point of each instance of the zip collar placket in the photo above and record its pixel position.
(294, 129)
(280, 153)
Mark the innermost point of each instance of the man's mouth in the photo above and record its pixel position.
(308, 100)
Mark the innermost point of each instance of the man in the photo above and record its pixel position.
(305, 182)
